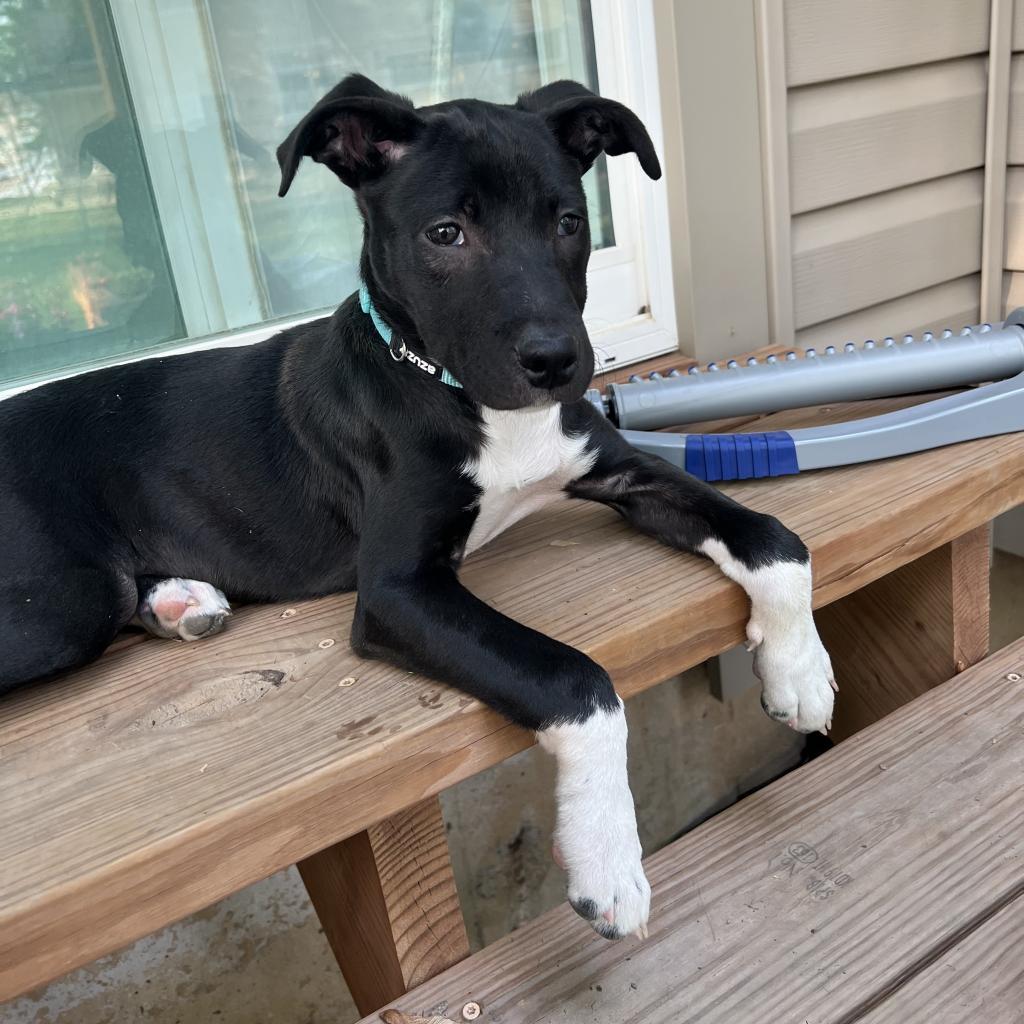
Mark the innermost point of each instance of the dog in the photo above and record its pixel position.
(374, 449)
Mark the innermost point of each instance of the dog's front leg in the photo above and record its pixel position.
(413, 611)
(769, 561)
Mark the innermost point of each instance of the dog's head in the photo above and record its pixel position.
(476, 241)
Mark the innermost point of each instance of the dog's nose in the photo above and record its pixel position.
(549, 360)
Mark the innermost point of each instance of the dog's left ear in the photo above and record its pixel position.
(358, 130)
(587, 125)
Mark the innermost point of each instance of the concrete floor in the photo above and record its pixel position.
(259, 957)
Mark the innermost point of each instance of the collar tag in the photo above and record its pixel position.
(400, 352)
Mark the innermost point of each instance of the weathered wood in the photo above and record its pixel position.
(164, 777)
(980, 979)
(808, 900)
(909, 631)
(388, 904)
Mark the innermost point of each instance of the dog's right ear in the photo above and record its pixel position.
(358, 130)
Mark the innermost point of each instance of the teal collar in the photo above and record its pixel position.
(397, 347)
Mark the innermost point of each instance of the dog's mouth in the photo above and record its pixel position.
(512, 390)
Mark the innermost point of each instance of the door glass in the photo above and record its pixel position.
(83, 269)
(277, 60)
(102, 254)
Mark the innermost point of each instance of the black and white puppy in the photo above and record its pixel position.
(342, 455)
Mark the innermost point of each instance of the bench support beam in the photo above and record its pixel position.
(388, 904)
(908, 631)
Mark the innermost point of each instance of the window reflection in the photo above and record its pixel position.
(83, 271)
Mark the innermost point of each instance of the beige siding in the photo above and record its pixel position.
(1015, 219)
(1016, 153)
(859, 136)
(953, 304)
(1013, 291)
(873, 250)
(829, 39)
(1013, 280)
(886, 129)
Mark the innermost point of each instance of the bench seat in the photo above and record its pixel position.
(166, 776)
(882, 883)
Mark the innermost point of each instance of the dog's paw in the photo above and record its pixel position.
(183, 609)
(609, 890)
(597, 845)
(798, 685)
(595, 838)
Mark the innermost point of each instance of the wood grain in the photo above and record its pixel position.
(807, 900)
(164, 777)
(980, 978)
(909, 631)
(388, 904)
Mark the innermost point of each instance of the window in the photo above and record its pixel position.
(138, 181)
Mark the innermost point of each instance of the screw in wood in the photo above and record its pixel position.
(1014, 677)
(324, 644)
(471, 1011)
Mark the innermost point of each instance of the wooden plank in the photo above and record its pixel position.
(953, 304)
(1018, 27)
(836, 38)
(775, 150)
(871, 250)
(909, 631)
(859, 136)
(806, 900)
(156, 782)
(978, 979)
(388, 904)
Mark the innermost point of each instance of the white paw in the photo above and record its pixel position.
(607, 884)
(183, 609)
(596, 840)
(798, 685)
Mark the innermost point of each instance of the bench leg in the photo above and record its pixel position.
(909, 631)
(387, 901)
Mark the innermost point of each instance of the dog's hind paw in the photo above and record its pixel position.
(183, 609)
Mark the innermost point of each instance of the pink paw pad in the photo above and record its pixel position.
(183, 609)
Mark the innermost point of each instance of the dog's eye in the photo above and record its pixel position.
(446, 234)
(569, 224)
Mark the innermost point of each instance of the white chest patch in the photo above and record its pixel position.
(525, 463)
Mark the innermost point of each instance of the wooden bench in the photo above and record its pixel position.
(883, 882)
(165, 777)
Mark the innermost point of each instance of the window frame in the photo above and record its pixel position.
(634, 273)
